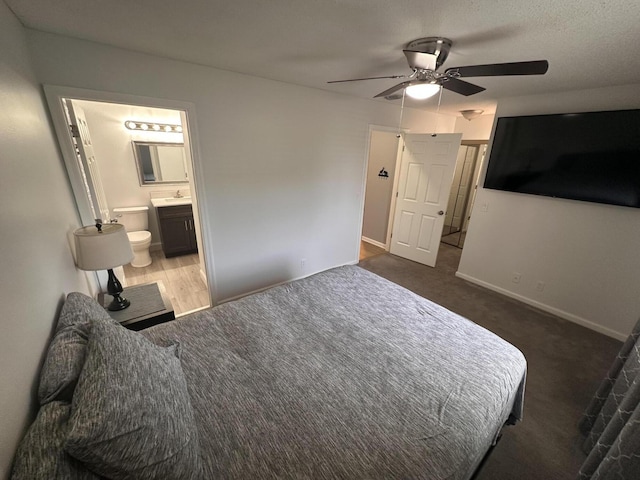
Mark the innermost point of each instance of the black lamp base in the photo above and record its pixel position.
(114, 288)
(118, 303)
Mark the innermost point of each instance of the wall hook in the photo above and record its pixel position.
(383, 173)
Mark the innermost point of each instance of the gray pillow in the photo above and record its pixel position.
(80, 308)
(41, 455)
(131, 412)
(63, 363)
(66, 354)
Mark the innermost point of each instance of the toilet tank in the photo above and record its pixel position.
(134, 219)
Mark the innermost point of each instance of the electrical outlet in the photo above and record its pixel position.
(540, 286)
(484, 207)
(515, 278)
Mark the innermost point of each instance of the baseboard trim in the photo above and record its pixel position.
(374, 242)
(258, 290)
(236, 297)
(544, 307)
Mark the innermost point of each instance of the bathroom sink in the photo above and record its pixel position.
(177, 200)
(166, 202)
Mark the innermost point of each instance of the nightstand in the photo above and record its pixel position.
(150, 306)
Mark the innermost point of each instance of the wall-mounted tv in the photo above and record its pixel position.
(594, 156)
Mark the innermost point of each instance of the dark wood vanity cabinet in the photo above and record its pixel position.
(177, 230)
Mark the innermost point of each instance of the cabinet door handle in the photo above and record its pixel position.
(185, 225)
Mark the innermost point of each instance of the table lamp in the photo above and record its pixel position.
(104, 247)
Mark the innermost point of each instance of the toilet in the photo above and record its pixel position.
(136, 222)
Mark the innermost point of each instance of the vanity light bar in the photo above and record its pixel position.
(152, 127)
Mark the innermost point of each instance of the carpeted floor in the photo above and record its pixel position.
(566, 363)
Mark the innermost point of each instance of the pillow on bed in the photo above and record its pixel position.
(66, 353)
(63, 363)
(80, 308)
(40, 455)
(131, 411)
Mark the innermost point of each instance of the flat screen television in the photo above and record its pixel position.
(594, 156)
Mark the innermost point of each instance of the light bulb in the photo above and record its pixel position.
(421, 91)
(131, 125)
(167, 128)
(144, 126)
(156, 127)
(178, 128)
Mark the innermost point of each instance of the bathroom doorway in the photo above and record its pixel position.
(138, 156)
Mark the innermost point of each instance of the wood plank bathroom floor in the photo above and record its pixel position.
(180, 276)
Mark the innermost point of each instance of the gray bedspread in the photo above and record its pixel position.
(344, 375)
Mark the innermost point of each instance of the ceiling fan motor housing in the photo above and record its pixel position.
(426, 55)
(438, 46)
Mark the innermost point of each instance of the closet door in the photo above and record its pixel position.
(87, 162)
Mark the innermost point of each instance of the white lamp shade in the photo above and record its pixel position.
(421, 91)
(102, 250)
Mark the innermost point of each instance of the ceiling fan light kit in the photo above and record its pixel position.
(422, 91)
(426, 55)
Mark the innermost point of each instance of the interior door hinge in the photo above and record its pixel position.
(396, 194)
(75, 131)
(403, 148)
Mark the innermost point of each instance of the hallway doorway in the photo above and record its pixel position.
(379, 187)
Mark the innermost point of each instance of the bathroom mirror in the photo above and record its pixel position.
(160, 162)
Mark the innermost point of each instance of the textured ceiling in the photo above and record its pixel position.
(589, 43)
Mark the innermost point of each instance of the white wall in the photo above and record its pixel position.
(586, 253)
(383, 151)
(477, 129)
(37, 215)
(114, 153)
(283, 165)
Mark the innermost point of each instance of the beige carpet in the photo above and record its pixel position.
(566, 363)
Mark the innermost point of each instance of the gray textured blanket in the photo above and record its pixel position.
(344, 375)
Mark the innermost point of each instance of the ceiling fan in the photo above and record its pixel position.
(426, 55)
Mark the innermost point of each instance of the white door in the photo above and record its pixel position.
(426, 173)
(87, 162)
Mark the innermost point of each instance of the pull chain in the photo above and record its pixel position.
(398, 135)
(438, 112)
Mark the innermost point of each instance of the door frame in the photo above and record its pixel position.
(380, 128)
(55, 94)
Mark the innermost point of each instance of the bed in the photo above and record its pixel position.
(340, 375)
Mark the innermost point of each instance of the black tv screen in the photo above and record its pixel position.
(594, 157)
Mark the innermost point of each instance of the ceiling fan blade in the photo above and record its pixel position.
(421, 60)
(366, 78)
(536, 67)
(462, 87)
(395, 88)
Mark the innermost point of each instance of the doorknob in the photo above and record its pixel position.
(440, 212)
